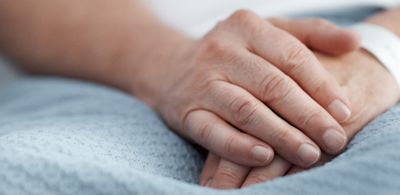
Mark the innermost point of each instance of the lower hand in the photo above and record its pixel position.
(362, 77)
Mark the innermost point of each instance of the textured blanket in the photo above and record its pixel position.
(68, 137)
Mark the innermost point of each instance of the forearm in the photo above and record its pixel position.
(118, 43)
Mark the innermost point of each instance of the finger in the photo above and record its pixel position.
(320, 35)
(294, 59)
(250, 115)
(324, 158)
(208, 130)
(295, 170)
(277, 168)
(287, 99)
(209, 169)
(229, 175)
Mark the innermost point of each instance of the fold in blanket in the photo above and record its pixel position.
(67, 137)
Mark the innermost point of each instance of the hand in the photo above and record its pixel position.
(362, 77)
(246, 75)
(236, 91)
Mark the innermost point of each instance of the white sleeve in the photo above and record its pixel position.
(383, 44)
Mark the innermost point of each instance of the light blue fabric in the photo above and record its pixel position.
(68, 137)
(62, 136)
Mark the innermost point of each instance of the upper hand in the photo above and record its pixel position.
(362, 78)
(246, 88)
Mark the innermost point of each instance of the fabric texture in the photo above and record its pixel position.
(60, 136)
(68, 137)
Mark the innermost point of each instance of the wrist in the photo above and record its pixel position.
(377, 88)
(369, 86)
(152, 70)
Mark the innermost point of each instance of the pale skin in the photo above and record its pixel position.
(371, 90)
(231, 91)
(359, 65)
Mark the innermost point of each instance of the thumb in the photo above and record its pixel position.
(320, 35)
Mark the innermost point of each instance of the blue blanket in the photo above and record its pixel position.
(68, 137)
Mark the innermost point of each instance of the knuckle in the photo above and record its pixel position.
(275, 20)
(229, 144)
(216, 48)
(275, 88)
(319, 86)
(216, 90)
(297, 57)
(306, 118)
(318, 22)
(219, 24)
(281, 136)
(203, 133)
(213, 44)
(265, 28)
(228, 176)
(216, 87)
(200, 132)
(256, 178)
(245, 19)
(243, 110)
(243, 15)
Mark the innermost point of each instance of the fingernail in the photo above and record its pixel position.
(260, 153)
(308, 154)
(334, 140)
(339, 110)
(209, 182)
